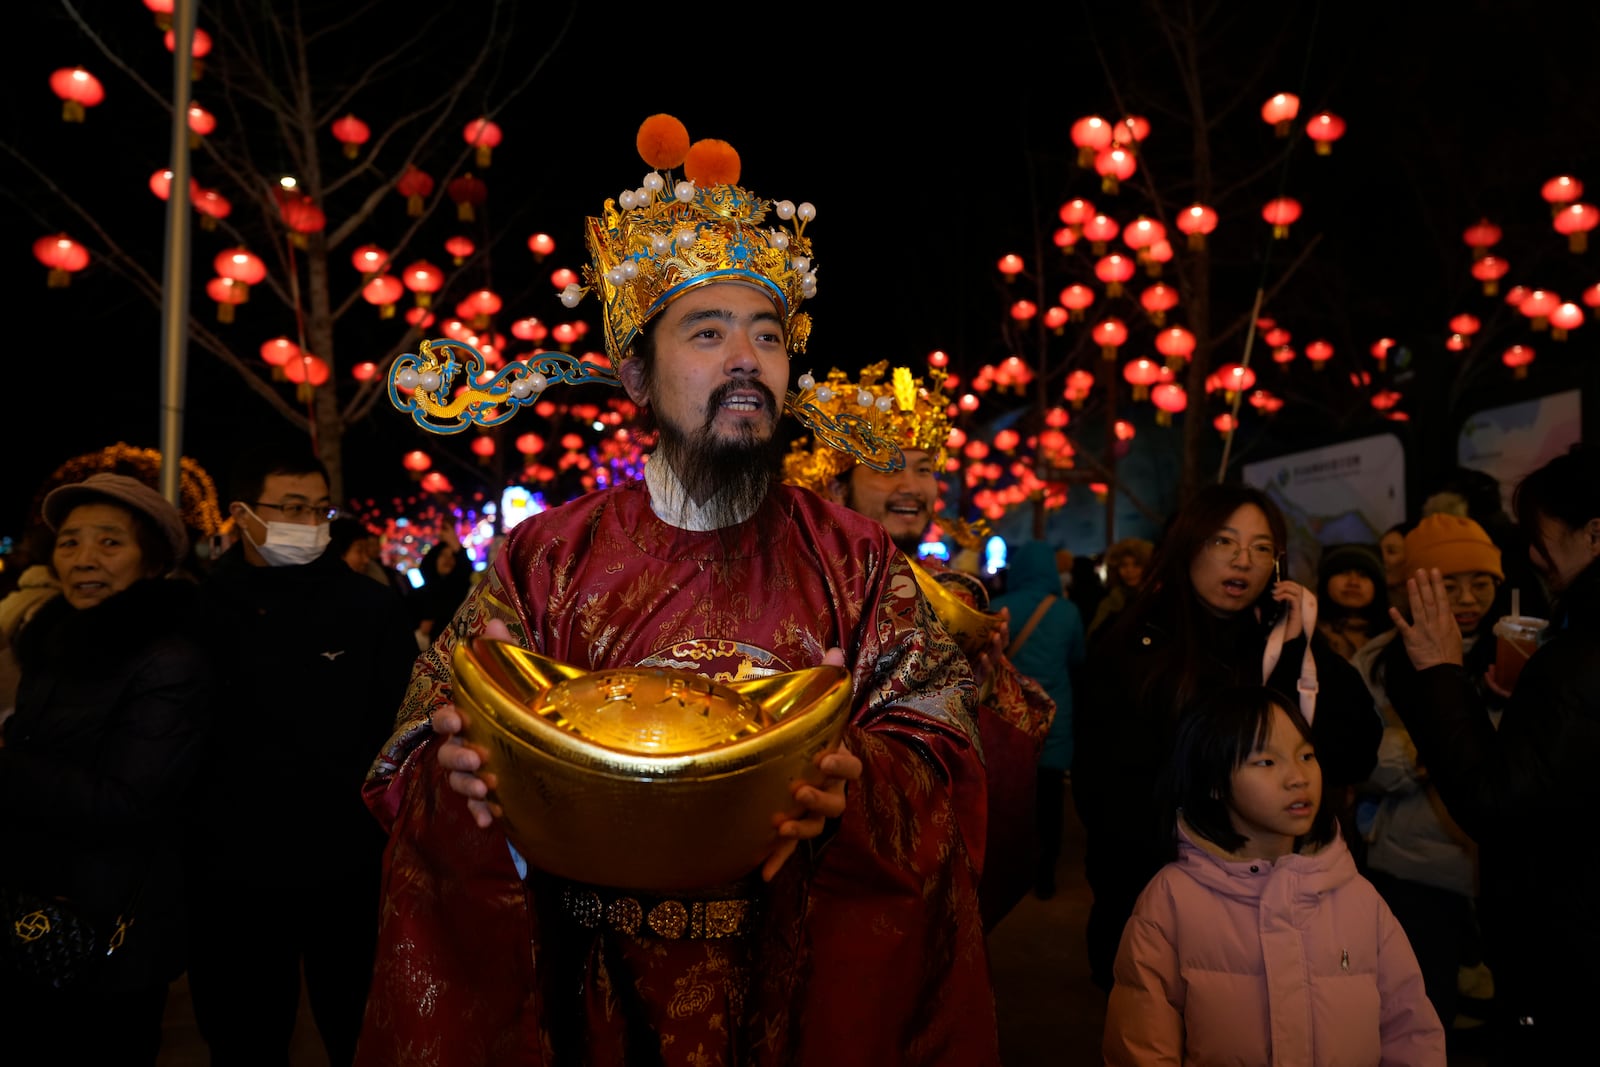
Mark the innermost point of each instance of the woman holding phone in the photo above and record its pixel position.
(1216, 610)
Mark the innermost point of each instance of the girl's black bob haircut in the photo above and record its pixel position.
(1214, 737)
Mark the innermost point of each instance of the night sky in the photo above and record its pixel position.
(930, 147)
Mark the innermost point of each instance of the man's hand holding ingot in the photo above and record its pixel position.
(821, 803)
(465, 761)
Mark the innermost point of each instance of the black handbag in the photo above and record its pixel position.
(46, 942)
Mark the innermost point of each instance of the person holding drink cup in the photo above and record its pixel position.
(1519, 791)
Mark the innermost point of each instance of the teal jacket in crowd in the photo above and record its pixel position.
(1057, 645)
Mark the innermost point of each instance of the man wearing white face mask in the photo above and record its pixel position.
(312, 659)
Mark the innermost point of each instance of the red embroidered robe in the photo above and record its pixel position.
(870, 949)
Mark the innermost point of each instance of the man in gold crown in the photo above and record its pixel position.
(707, 564)
(1015, 712)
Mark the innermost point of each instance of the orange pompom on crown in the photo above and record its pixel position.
(663, 141)
(711, 162)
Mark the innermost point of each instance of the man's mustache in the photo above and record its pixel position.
(721, 393)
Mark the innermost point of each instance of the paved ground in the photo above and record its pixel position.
(1050, 1014)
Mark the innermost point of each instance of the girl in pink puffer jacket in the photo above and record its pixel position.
(1260, 944)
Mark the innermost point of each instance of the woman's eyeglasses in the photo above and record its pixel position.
(1225, 549)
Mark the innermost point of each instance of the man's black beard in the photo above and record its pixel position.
(728, 476)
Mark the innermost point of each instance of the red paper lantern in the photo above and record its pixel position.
(1110, 334)
(1057, 417)
(530, 444)
(1283, 355)
(1114, 269)
(1279, 112)
(1567, 316)
(278, 352)
(416, 462)
(1489, 270)
(1265, 402)
(483, 447)
(1574, 222)
(211, 205)
(1538, 305)
(1225, 423)
(469, 193)
(481, 304)
(364, 371)
(1516, 295)
(1480, 237)
(1177, 344)
(1380, 350)
(423, 279)
(415, 185)
(434, 482)
(1077, 211)
(161, 183)
(1115, 165)
(1079, 382)
(1464, 324)
(1024, 310)
(1157, 300)
(1143, 232)
(563, 277)
(199, 48)
(369, 260)
(1169, 399)
(1591, 296)
(1075, 298)
(383, 291)
(301, 214)
(1235, 378)
(967, 403)
(201, 124)
(227, 293)
(1197, 220)
(529, 329)
(352, 133)
(1325, 128)
(1142, 373)
(1056, 318)
(1455, 343)
(64, 256)
(1090, 133)
(1517, 357)
(1010, 266)
(459, 248)
(1100, 229)
(163, 12)
(1130, 129)
(1560, 191)
(1065, 237)
(541, 245)
(484, 136)
(1276, 335)
(1281, 212)
(78, 89)
(1319, 352)
(242, 266)
(1007, 440)
(1123, 430)
(306, 372)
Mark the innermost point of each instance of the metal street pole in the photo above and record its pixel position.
(175, 275)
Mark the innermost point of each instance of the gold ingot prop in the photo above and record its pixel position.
(972, 629)
(639, 778)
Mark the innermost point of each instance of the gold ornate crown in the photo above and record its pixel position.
(667, 238)
(899, 408)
